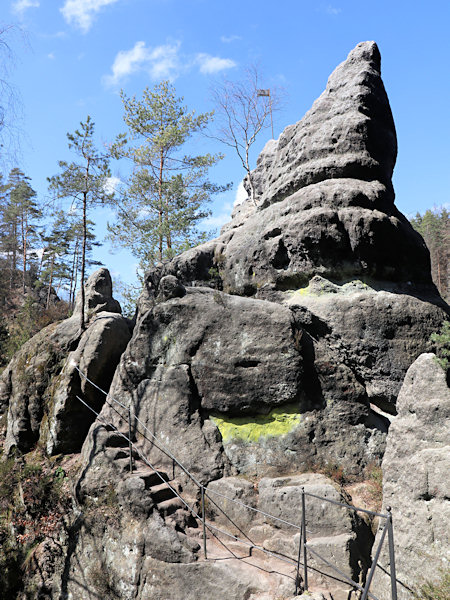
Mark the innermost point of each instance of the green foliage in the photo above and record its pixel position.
(430, 590)
(128, 295)
(29, 319)
(20, 216)
(85, 183)
(159, 208)
(434, 227)
(32, 504)
(442, 341)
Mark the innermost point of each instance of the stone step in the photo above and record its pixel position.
(152, 478)
(161, 492)
(168, 507)
(117, 453)
(114, 440)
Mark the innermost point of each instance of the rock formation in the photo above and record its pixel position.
(39, 387)
(277, 348)
(283, 343)
(415, 479)
(313, 303)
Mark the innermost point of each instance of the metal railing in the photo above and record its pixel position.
(205, 493)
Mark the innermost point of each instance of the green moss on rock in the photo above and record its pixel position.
(252, 428)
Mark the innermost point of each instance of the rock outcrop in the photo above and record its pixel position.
(415, 479)
(277, 348)
(280, 345)
(325, 241)
(39, 387)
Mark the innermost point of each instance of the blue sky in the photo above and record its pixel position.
(75, 55)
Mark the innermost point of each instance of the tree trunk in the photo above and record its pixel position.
(73, 276)
(50, 283)
(83, 263)
(250, 179)
(24, 227)
(160, 209)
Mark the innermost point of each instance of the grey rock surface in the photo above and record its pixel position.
(280, 345)
(38, 388)
(94, 360)
(415, 479)
(98, 295)
(203, 353)
(325, 202)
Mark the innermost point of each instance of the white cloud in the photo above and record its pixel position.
(241, 194)
(218, 220)
(51, 56)
(81, 13)
(227, 39)
(331, 10)
(160, 62)
(20, 6)
(111, 184)
(213, 64)
(51, 36)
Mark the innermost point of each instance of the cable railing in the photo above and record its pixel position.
(304, 546)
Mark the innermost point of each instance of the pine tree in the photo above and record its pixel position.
(20, 217)
(60, 263)
(85, 183)
(160, 208)
(434, 227)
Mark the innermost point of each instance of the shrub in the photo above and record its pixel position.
(439, 590)
(374, 476)
(442, 341)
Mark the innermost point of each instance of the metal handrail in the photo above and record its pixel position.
(163, 447)
(350, 506)
(205, 491)
(210, 491)
(341, 573)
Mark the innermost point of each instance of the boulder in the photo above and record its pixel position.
(415, 479)
(39, 387)
(93, 361)
(98, 295)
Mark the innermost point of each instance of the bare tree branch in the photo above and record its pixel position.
(242, 113)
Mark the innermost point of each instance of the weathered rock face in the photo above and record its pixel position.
(98, 295)
(415, 478)
(39, 387)
(336, 533)
(279, 345)
(326, 241)
(325, 203)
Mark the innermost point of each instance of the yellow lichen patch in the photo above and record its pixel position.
(278, 422)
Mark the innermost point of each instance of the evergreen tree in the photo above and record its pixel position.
(84, 182)
(164, 200)
(20, 217)
(434, 227)
(61, 262)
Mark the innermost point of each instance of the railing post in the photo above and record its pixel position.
(297, 575)
(129, 439)
(374, 564)
(391, 554)
(204, 523)
(305, 559)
